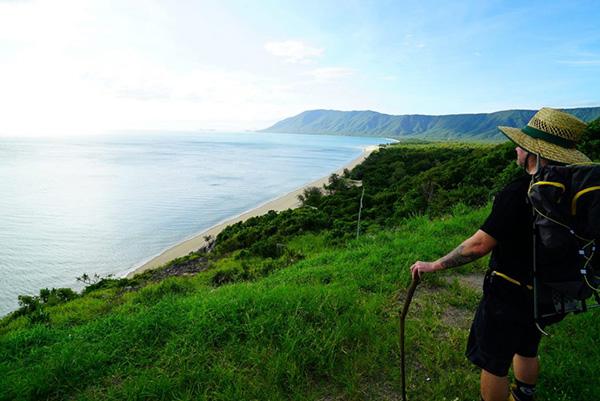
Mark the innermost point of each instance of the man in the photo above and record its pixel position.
(503, 330)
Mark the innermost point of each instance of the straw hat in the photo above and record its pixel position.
(552, 134)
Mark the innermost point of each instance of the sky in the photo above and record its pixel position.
(92, 66)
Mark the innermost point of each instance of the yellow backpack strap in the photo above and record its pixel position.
(578, 195)
(551, 183)
(510, 279)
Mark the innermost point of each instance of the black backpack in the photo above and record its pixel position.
(566, 266)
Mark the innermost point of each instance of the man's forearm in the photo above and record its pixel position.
(458, 257)
(480, 244)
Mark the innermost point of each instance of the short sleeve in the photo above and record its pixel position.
(505, 216)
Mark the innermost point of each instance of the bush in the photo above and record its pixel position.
(590, 142)
(230, 275)
(32, 306)
(311, 196)
(57, 296)
(267, 248)
(109, 282)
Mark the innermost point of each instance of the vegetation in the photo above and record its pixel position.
(590, 144)
(399, 181)
(291, 306)
(32, 306)
(370, 123)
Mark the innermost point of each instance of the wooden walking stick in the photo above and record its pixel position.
(403, 312)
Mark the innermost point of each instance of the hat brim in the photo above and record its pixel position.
(545, 149)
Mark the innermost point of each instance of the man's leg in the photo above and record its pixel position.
(493, 388)
(526, 371)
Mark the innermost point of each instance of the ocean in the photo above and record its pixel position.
(106, 204)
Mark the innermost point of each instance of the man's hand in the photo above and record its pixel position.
(423, 267)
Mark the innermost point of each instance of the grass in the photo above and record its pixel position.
(324, 327)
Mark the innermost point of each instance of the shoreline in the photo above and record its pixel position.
(279, 204)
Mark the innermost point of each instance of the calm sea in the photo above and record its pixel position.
(106, 204)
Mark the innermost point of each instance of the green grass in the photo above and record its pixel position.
(324, 327)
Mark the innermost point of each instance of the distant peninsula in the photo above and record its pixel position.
(481, 126)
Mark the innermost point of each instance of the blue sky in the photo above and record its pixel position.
(87, 66)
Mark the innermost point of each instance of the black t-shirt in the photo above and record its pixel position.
(510, 223)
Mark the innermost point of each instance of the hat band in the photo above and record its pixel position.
(556, 140)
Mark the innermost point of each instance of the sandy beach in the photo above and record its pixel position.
(284, 202)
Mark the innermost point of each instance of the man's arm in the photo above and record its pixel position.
(480, 244)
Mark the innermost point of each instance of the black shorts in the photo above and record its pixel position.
(503, 326)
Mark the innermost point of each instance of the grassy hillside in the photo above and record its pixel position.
(322, 328)
(291, 306)
(482, 126)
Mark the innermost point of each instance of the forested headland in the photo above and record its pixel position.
(301, 304)
(463, 127)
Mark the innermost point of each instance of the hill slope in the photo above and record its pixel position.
(323, 328)
(291, 306)
(370, 123)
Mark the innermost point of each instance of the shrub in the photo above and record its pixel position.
(57, 296)
(32, 306)
(590, 142)
(311, 196)
(267, 248)
(230, 275)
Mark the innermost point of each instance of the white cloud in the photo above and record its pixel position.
(89, 66)
(127, 92)
(330, 73)
(293, 51)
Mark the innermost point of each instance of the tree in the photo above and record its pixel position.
(590, 142)
(311, 197)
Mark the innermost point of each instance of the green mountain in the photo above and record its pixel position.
(481, 126)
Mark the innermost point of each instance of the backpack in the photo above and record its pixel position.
(566, 226)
